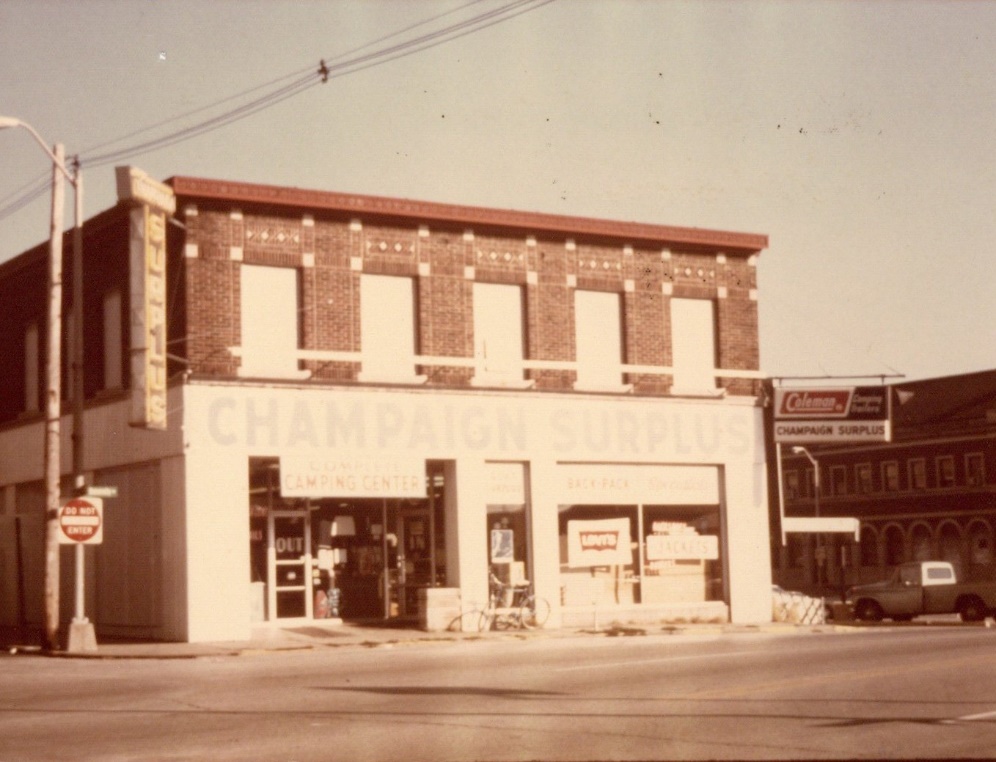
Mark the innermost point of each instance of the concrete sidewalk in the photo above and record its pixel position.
(320, 635)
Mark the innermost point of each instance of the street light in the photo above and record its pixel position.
(799, 450)
(53, 412)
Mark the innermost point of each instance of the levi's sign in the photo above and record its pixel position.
(599, 542)
(855, 414)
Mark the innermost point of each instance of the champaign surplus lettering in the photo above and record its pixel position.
(435, 427)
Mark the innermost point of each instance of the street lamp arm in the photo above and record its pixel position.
(8, 121)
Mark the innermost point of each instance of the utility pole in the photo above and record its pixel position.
(82, 636)
(53, 405)
(52, 466)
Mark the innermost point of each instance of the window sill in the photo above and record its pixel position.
(380, 378)
(697, 391)
(581, 386)
(502, 383)
(274, 373)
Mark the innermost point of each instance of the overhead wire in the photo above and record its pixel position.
(339, 66)
(244, 93)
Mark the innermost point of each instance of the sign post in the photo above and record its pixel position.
(81, 522)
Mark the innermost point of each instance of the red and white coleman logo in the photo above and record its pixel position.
(813, 403)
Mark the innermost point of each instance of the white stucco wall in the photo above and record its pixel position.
(226, 424)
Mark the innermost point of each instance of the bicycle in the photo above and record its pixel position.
(524, 611)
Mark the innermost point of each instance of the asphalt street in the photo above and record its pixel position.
(874, 693)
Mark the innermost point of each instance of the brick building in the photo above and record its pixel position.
(929, 494)
(388, 398)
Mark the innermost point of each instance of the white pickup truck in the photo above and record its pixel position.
(922, 587)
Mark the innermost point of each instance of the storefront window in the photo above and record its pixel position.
(601, 554)
(682, 554)
(343, 555)
(508, 528)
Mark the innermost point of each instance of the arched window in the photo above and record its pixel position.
(869, 547)
(920, 543)
(895, 552)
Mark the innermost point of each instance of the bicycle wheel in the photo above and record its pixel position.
(486, 621)
(534, 613)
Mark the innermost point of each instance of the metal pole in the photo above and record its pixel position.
(387, 568)
(78, 617)
(53, 406)
(781, 493)
(82, 636)
(79, 478)
(816, 510)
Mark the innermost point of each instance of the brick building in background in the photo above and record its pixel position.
(929, 494)
(388, 398)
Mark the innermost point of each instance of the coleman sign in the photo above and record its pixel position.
(852, 414)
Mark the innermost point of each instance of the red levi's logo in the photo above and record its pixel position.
(599, 540)
(815, 403)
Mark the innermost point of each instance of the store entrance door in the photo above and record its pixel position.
(416, 558)
(288, 555)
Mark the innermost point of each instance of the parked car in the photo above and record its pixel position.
(922, 587)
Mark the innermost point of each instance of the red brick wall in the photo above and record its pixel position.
(331, 254)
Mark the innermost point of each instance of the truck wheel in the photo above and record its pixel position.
(868, 611)
(971, 610)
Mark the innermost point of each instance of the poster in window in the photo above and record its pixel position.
(502, 546)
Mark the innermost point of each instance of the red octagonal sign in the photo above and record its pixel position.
(81, 521)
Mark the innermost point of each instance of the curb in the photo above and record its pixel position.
(394, 639)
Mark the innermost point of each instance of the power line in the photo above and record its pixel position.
(271, 83)
(339, 66)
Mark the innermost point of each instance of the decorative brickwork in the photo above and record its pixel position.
(445, 264)
(332, 239)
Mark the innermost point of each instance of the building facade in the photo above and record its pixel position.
(928, 494)
(371, 403)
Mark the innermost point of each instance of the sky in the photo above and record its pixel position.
(860, 137)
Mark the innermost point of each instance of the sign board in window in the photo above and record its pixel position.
(327, 475)
(606, 484)
(504, 484)
(682, 547)
(599, 542)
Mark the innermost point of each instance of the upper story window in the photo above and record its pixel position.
(112, 340)
(809, 486)
(838, 480)
(917, 473)
(388, 338)
(32, 369)
(863, 478)
(598, 340)
(945, 471)
(499, 334)
(890, 476)
(975, 469)
(270, 322)
(693, 345)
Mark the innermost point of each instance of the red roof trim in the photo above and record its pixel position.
(465, 215)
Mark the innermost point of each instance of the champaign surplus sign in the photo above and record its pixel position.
(851, 414)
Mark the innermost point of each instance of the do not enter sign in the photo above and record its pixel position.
(81, 521)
